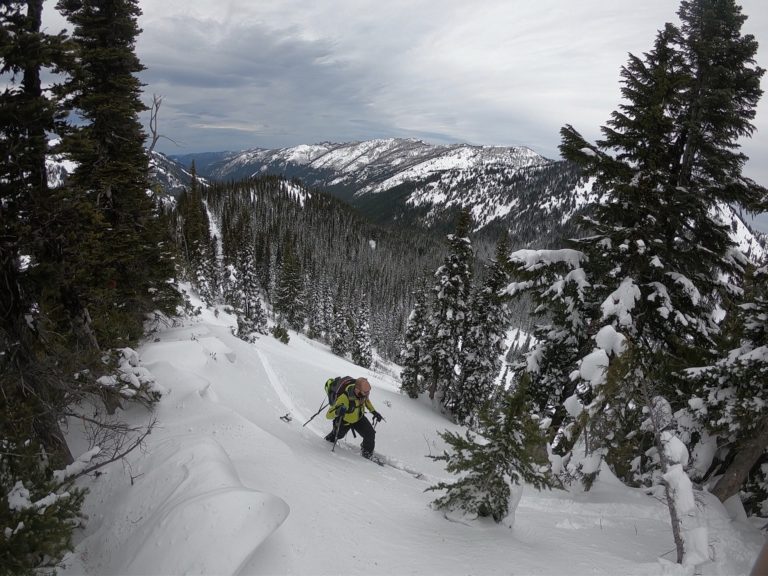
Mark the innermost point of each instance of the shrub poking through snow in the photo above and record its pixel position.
(509, 451)
(281, 334)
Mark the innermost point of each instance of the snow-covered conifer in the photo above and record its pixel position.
(508, 451)
(251, 317)
(555, 281)
(732, 405)
(340, 333)
(655, 261)
(448, 324)
(197, 245)
(290, 297)
(482, 351)
(414, 356)
(361, 338)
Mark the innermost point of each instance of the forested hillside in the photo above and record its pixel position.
(318, 262)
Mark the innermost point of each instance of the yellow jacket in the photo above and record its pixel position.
(353, 406)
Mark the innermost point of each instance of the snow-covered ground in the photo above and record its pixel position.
(225, 486)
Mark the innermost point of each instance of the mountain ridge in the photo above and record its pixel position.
(363, 161)
(408, 182)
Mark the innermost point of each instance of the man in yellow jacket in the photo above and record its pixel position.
(348, 413)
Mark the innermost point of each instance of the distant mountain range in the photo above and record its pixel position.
(410, 182)
(413, 183)
(407, 182)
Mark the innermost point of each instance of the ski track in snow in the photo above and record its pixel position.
(281, 392)
(285, 398)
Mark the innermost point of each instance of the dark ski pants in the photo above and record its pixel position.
(362, 427)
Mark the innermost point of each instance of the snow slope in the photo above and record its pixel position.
(227, 487)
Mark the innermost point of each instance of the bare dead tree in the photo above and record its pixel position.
(154, 110)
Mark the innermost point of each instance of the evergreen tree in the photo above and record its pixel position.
(289, 300)
(125, 274)
(251, 317)
(33, 361)
(509, 451)
(654, 261)
(733, 406)
(557, 284)
(315, 308)
(482, 351)
(340, 339)
(361, 338)
(198, 245)
(26, 113)
(414, 356)
(40, 508)
(273, 267)
(211, 269)
(451, 306)
(327, 311)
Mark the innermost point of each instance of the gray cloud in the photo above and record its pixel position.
(230, 87)
(236, 74)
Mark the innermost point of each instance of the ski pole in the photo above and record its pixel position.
(315, 414)
(336, 433)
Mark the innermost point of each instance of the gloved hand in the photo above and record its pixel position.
(340, 411)
(376, 416)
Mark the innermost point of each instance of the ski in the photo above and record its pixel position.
(376, 459)
(384, 461)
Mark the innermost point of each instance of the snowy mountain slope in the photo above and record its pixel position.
(747, 241)
(227, 487)
(57, 166)
(376, 165)
(168, 174)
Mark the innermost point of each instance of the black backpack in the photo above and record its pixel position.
(335, 386)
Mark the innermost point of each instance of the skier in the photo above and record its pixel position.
(348, 413)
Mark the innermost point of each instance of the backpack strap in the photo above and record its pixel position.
(343, 384)
(350, 394)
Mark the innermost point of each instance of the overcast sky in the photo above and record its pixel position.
(238, 74)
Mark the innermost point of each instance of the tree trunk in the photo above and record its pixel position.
(674, 517)
(432, 389)
(747, 455)
(50, 434)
